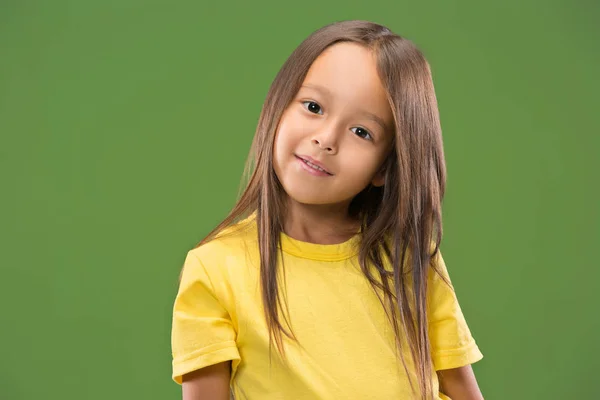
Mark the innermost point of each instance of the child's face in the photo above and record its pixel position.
(336, 120)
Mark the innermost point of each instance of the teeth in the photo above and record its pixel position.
(314, 166)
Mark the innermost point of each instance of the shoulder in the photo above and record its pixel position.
(229, 247)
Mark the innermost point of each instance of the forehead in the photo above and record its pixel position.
(348, 72)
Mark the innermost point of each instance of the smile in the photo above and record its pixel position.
(313, 168)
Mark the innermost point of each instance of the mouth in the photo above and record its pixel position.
(315, 165)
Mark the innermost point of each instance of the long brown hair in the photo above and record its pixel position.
(401, 222)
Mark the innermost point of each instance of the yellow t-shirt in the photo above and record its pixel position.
(347, 348)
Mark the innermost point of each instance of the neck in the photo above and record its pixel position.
(323, 223)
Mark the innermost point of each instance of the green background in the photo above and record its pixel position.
(125, 125)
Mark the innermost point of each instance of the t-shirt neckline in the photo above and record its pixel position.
(317, 251)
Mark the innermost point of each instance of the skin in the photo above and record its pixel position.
(341, 118)
(333, 119)
(459, 383)
(209, 383)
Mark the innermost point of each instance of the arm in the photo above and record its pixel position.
(209, 383)
(459, 383)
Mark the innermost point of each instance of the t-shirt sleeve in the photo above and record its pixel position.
(202, 332)
(452, 344)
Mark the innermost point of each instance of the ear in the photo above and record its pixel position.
(379, 178)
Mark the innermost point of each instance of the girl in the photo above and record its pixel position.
(326, 280)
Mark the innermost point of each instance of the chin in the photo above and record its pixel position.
(308, 196)
(309, 199)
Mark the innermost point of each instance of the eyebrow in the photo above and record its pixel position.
(328, 93)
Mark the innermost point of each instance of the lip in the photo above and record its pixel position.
(315, 162)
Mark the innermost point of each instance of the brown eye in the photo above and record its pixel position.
(313, 107)
(363, 133)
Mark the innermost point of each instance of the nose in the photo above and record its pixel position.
(327, 141)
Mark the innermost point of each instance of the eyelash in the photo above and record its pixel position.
(370, 137)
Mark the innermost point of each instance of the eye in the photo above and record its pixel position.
(363, 133)
(313, 107)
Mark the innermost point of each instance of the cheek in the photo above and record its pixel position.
(283, 145)
(362, 164)
(289, 134)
